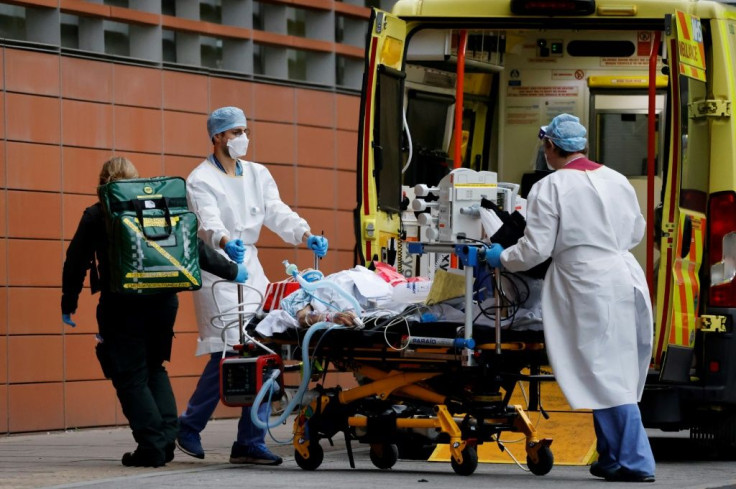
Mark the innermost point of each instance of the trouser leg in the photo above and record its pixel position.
(140, 407)
(204, 400)
(603, 448)
(625, 439)
(163, 395)
(137, 334)
(248, 433)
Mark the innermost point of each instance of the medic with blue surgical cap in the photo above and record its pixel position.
(233, 199)
(595, 301)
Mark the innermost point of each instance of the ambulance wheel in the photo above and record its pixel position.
(470, 461)
(544, 464)
(384, 455)
(316, 455)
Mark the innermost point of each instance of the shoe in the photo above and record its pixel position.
(141, 459)
(257, 454)
(190, 443)
(622, 474)
(169, 451)
(597, 471)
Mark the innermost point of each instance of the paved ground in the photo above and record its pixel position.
(91, 459)
(59, 458)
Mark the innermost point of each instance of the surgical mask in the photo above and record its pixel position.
(238, 146)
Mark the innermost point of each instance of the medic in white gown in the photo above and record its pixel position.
(233, 199)
(596, 308)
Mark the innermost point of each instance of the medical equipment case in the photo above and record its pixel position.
(152, 236)
(241, 378)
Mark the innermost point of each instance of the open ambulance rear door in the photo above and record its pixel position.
(685, 198)
(379, 140)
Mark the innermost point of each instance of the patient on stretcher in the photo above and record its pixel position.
(381, 305)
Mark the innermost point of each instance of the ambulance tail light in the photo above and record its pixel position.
(552, 7)
(722, 244)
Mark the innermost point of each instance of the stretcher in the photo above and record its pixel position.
(425, 383)
(414, 388)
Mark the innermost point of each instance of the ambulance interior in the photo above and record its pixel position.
(514, 82)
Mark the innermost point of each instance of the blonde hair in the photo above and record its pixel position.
(117, 168)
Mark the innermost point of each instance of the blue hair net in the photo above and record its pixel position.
(566, 132)
(225, 118)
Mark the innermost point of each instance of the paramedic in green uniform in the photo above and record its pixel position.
(135, 331)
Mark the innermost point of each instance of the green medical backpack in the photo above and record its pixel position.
(152, 236)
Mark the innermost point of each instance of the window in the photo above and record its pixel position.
(211, 52)
(69, 31)
(348, 72)
(617, 128)
(258, 67)
(168, 39)
(117, 38)
(116, 3)
(296, 22)
(210, 11)
(257, 16)
(297, 64)
(168, 7)
(12, 22)
(339, 28)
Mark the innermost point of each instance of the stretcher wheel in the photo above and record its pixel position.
(384, 455)
(316, 456)
(470, 461)
(545, 463)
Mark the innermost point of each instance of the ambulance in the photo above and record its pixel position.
(467, 84)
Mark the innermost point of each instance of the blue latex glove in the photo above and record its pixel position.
(235, 249)
(67, 319)
(318, 244)
(242, 274)
(493, 255)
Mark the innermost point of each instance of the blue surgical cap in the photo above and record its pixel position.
(566, 132)
(225, 118)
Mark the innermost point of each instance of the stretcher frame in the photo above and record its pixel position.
(419, 378)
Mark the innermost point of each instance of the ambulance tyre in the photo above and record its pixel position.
(469, 464)
(316, 455)
(544, 464)
(384, 455)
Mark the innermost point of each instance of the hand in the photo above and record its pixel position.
(318, 244)
(67, 319)
(493, 255)
(242, 274)
(235, 249)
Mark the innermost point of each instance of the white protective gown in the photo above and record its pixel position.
(596, 308)
(236, 207)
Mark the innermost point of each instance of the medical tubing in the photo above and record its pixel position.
(306, 375)
(408, 141)
(309, 287)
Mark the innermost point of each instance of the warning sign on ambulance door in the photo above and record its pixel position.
(690, 46)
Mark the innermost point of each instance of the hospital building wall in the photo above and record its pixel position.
(61, 116)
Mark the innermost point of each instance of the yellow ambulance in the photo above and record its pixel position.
(467, 84)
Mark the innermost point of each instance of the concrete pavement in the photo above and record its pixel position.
(78, 457)
(91, 458)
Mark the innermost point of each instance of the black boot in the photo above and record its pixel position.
(169, 452)
(139, 458)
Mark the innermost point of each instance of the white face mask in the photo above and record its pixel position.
(238, 146)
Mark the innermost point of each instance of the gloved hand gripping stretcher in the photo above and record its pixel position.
(429, 387)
